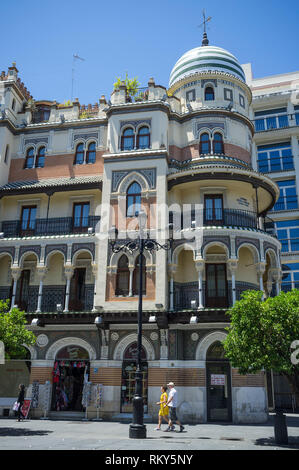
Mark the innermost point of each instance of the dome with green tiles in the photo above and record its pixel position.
(204, 59)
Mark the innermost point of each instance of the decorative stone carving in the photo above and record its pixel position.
(42, 340)
(114, 336)
(148, 173)
(33, 248)
(154, 336)
(194, 336)
(135, 123)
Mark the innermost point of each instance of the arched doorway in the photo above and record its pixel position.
(219, 401)
(70, 372)
(128, 378)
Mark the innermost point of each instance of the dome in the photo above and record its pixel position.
(203, 59)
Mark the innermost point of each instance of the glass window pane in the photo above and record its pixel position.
(283, 121)
(271, 123)
(259, 125)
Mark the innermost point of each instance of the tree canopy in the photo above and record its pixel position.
(132, 84)
(261, 334)
(13, 331)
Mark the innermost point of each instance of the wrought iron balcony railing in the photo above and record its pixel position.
(53, 226)
(221, 218)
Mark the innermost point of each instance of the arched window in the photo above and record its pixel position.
(79, 156)
(122, 276)
(29, 162)
(40, 157)
(13, 104)
(91, 153)
(209, 94)
(136, 279)
(133, 199)
(127, 139)
(204, 146)
(143, 138)
(218, 143)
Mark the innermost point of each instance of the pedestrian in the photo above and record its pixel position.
(163, 412)
(172, 403)
(20, 401)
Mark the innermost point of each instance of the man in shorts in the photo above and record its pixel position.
(172, 403)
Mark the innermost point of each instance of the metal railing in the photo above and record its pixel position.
(52, 226)
(278, 121)
(270, 165)
(219, 217)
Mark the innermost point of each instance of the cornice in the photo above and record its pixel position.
(206, 75)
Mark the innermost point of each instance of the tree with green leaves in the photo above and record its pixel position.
(262, 334)
(132, 85)
(13, 332)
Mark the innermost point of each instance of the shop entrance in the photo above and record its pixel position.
(219, 401)
(71, 371)
(128, 378)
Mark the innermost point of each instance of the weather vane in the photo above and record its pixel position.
(205, 40)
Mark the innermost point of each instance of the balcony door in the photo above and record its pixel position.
(77, 290)
(216, 286)
(213, 209)
(28, 221)
(80, 217)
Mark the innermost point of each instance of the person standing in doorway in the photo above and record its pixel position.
(172, 403)
(163, 412)
(20, 401)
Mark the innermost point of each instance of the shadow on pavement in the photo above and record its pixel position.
(22, 432)
(293, 443)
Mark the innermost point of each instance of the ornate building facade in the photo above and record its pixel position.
(186, 154)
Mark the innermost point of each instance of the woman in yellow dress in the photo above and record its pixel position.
(163, 412)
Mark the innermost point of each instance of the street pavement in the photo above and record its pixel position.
(37, 434)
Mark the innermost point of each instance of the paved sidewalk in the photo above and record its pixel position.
(88, 435)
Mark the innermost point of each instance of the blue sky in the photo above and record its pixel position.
(143, 38)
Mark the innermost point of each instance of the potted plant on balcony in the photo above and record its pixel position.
(132, 86)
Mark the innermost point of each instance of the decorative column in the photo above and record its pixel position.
(104, 343)
(163, 344)
(68, 271)
(233, 265)
(260, 269)
(131, 269)
(94, 269)
(41, 273)
(276, 276)
(171, 272)
(16, 273)
(199, 265)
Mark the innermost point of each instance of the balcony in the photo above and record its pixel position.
(279, 121)
(274, 164)
(221, 218)
(286, 203)
(53, 226)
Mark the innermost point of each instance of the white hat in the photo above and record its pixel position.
(171, 384)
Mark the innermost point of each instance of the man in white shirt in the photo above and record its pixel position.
(172, 403)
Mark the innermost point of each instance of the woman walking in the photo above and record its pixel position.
(20, 401)
(163, 412)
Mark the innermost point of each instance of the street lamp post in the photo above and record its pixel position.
(137, 428)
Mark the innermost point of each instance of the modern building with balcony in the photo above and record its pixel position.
(275, 114)
(188, 155)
